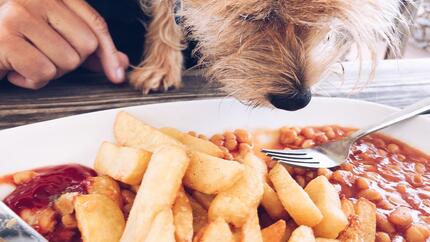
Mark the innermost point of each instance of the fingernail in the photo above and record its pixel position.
(120, 74)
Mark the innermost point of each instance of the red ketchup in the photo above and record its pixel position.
(51, 182)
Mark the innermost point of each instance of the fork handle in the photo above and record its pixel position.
(407, 113)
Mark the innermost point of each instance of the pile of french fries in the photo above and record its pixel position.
(188, 192)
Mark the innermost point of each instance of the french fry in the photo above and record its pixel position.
(123, 164)
(183, 218)
(272, 204)
(366, 212)
(250, 231)
(302, 234)
(216, 231)
(99, 218)
(326, 198)
(326, 240)
(106, 186)
(130, 131)
(200, 215)
(162, 228)
(204, 199)
(294, 199)
(347, 207)
(362, 227)
(209, 174)
(277, 232)
(157, 191)
(194, 143)
(235, 204)
(252, 160)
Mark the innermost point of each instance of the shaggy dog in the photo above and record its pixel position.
(262, 51)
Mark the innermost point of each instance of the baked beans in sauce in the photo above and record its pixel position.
(385, 171)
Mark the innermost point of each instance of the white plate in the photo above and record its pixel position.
(77, 138)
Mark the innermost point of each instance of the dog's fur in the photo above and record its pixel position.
(259, 47)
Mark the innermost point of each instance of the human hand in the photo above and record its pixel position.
(41, 40)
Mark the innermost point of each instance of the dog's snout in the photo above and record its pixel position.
(292, 102)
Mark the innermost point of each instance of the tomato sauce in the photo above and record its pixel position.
(51, 182)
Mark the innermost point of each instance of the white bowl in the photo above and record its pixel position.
(77, 138)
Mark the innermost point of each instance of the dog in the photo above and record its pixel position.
(263, 52)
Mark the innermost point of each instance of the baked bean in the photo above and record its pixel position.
(229, 135)
(287, 136)
(309, 133)
(231, 144)
(308, 144)
(370, 194)
(329, 132)
(218, 139)
(202, 136)
(299, 171)
(347, 166)
(299, 141)
(244, 148)
(382, 237)
(400, 217)
(290, 169)
(417, 233)
(301, 181)
(310, 175)
(362, 183)
(23, 177)
(192, 133)
(393, 148)
(382, 152)
(324, 172)
(400, 157)
(420, 168)
(383, 224)
(385, 204)
(243, 136)
(321, 138)
(342, 177)
(417, 180)
(69, 221)
(378, 143)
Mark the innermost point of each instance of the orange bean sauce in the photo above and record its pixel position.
(387, 172)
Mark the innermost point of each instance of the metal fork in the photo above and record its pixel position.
(333, 154)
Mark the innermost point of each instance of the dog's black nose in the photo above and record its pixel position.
(293, 102)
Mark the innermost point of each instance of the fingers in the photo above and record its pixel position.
(71, 27)
(93, 62)
(49, 42)
(34, 68)
(106, 50)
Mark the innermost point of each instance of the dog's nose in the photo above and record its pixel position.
(293, 102)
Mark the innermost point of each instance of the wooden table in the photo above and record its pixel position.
(397, 83)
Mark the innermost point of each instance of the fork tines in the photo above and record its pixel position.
(289, 156)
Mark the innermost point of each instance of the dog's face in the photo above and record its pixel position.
(272, 51)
